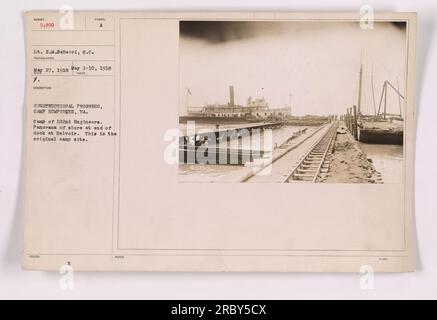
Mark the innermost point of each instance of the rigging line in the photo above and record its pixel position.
(399, 97)
(382, 96)
(391, 73)
(396, 90)
(373, 93)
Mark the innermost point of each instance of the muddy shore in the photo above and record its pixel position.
(349, 164)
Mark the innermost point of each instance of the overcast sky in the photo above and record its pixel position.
(317, 62)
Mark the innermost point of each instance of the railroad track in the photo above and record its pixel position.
(316, 160)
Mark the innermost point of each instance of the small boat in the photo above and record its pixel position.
(381, 128)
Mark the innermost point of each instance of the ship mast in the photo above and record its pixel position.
(360, 85)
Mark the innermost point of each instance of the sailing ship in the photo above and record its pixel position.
(381, 127)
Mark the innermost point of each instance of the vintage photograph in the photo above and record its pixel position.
(171, 113)
(292, 101)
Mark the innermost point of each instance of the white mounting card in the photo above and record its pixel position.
(219, 141)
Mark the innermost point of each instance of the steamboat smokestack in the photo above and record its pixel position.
(231, 96)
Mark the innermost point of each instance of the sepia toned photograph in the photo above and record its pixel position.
(292, 101)
(143, 128)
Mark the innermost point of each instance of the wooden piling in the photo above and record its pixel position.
(347, 119)
(355, 123)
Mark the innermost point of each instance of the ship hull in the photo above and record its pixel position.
(381, 136)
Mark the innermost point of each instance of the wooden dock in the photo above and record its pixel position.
(204, 147)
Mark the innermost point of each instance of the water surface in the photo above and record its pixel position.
(387, 159)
